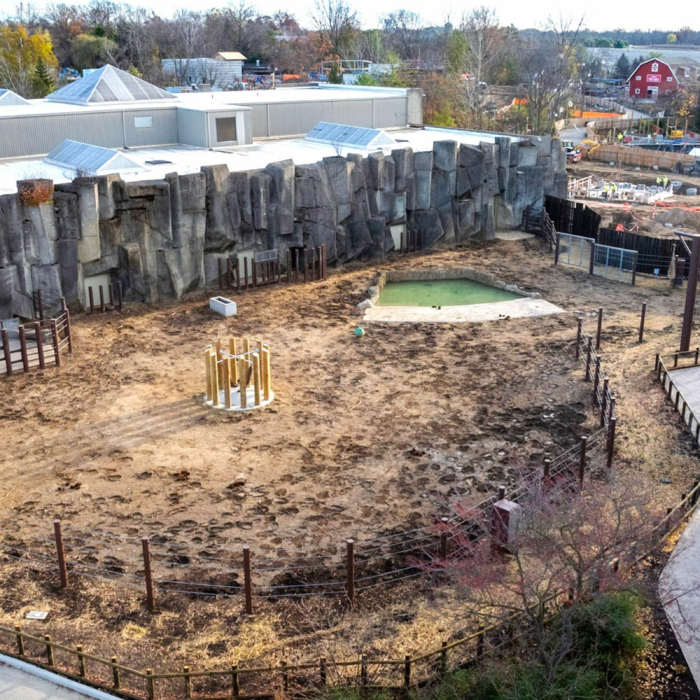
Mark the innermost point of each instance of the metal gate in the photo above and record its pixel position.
(603, 260)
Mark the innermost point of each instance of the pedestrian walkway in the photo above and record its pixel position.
(679, 588)
(16, 684)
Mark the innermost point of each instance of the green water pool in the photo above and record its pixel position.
(456, 292)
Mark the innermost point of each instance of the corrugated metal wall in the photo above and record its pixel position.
(25, 136)
(163, 131)
(295, 118)
(192, 126)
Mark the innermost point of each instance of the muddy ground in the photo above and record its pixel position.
(365, 437)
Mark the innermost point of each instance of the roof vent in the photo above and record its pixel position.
(91, 160)
(349, 136)
(109, 84)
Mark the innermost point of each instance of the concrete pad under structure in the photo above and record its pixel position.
(513, 235)
(471, 313)
(687, 381)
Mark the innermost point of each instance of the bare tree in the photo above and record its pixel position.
(406, 33)
(335, 21)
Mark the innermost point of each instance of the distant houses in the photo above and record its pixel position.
(224, 71)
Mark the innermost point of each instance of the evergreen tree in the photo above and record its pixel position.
(696, 116)
(334, 74)
(42, 83)
(622, 67)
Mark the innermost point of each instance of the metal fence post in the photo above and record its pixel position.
(247, 580)
(611, 441)
(578, 338)
(589, 350)
(582, 461)
(60, 553)
(350, 558)
(592, 263)
(634, 268)
(148, 574)
(604, 401)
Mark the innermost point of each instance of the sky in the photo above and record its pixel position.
(521, 14)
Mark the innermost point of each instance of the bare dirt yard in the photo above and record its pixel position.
(366, 437)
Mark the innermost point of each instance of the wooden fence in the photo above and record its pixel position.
(664, 367)
(642, 157)
(303, 264)
(35, 345)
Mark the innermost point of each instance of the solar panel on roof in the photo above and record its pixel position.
(349, 136)
(109, 84)
(90, 159)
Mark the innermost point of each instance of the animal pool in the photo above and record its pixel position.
(446, 292)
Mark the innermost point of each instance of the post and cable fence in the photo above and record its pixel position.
(164, 568)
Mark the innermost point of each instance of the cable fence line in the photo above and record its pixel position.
(382, 561)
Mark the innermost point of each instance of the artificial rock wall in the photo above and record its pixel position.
(163, 238)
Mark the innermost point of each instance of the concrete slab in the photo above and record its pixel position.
(679, 590)
(16, 684)
(472, 313)
(687, 381)
(513, 235)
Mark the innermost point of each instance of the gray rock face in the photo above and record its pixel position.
(164, 238)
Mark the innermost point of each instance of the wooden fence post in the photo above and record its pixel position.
(50, 661)
(546, 467)
(116, 680)
(350, 567)
(596, 380)
(634, 268)
(592, 262)
(582, 461)
(23, 349)
(56, 347)
(407, 671)
(443, 659)
(323, 670)
(60, 553)
(188, 681)
(102, 300)
(148, 574)
(556, 249)
(604, 401)
(579, 336)
(39, 344)
(120, 295)
(7, 352)
(235, 682)
(600, 328)
(247, 580)
(589, 350)
(81, 661)
(611, 441)
(641, 323)
(150, 685)
(20, 640)
(69, 334)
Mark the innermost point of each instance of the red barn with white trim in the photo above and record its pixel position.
(652, 79)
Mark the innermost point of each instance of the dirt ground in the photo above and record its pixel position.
(365, 437)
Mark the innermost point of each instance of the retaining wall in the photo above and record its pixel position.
(163, 238)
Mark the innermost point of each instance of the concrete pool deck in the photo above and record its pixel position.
(526, 307)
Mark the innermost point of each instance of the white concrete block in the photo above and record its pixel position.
(223, 306)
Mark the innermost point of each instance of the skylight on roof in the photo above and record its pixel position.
(349, 136)
(91, 160)
(11, 99)
(108, 84)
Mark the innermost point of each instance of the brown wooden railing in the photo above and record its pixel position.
(36, 345)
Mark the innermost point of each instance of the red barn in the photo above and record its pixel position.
(652, 79)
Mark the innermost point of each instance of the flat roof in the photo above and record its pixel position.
(205, 101)
(189, 159)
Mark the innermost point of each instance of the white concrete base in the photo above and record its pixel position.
(471, 313)
(236, 400)
(513, 235)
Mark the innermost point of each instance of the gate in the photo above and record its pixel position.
(603, 260)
